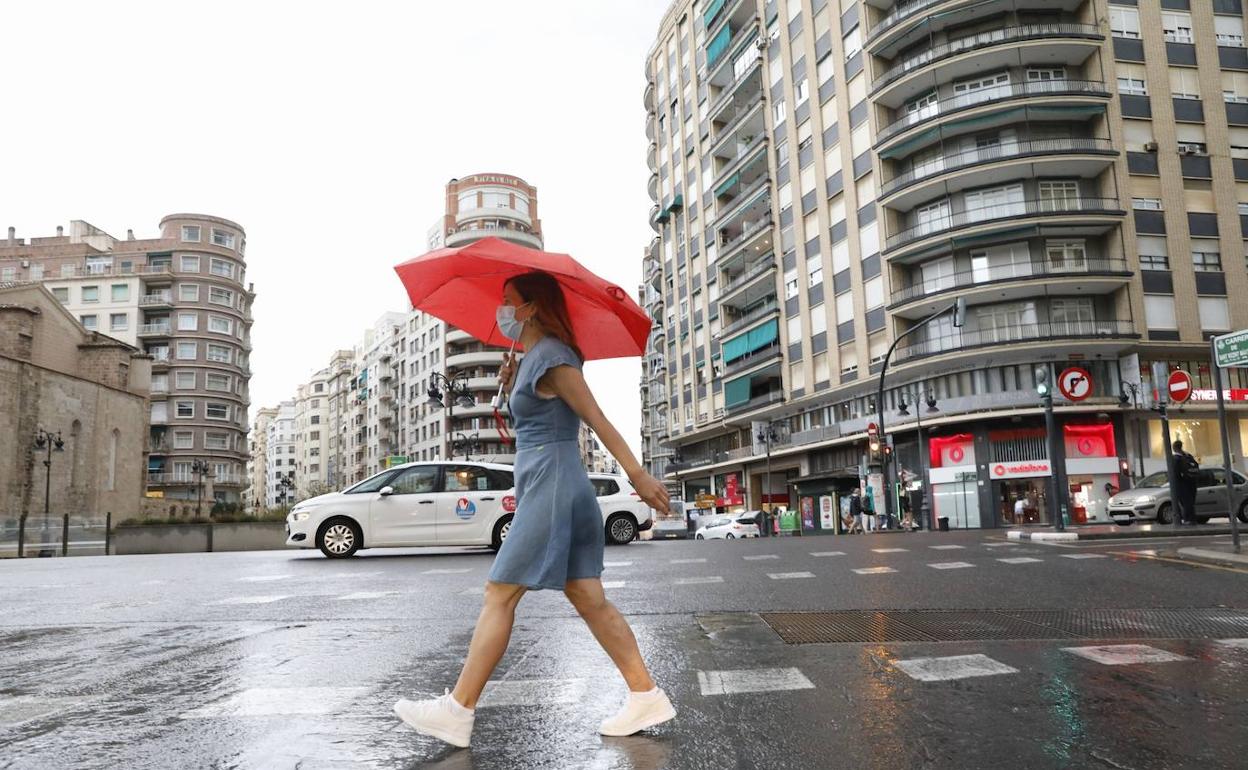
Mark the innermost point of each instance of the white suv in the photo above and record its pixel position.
(429, 503)
(624, 513)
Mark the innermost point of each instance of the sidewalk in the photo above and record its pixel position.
(1113, 532)
(1214, 553)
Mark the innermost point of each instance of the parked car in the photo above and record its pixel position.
(1150, 498)
(728, 527)
(672, 524)
(624, 513)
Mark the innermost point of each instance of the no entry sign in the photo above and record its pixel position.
(1075, 383)
(1179, 386)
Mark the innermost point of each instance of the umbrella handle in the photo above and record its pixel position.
(497, 401)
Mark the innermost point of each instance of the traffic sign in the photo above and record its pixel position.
(1231, 349)
(1179, 386)
(872, 429)
(1075, 383)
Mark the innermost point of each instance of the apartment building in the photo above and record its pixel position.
(258, 463)
(829, 177)
(281, 458)
(183, 299)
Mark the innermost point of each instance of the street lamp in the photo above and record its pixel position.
(200, 468)
(1134, 401)
(929, 397)
(284, 485)
(767, 434)
(1057, 461)
(470, 444)
(48, 443)
(456, 392)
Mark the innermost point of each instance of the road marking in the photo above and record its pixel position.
(1082, 555)
(1124, 654)
(474, 591)
(951, 565)
(890, 550)
(263, 578)
(251, 599)
(1020, 560)
(752, 680)
(24, 708)
(445, 571)
(613, 583)
(1145, 552)
(761, 556)
(1000, 545)
(693, 581)
(278, 701)
(617, 564)
(341, 575)
(532, 692)
(367, 595)
(827, 553)
(1238, 644)
(948, 547)
(687, 561)
(874, 570)
(953, 667)
(789, 575)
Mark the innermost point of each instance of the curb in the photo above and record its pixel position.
(1207, 556)
(1015, 534)
(1124, 534)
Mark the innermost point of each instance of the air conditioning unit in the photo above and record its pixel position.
(1185, 149)
(1150, 147)
(25, 263)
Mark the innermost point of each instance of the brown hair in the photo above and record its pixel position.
(550, 307)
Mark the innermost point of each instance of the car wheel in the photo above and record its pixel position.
(501, 528)
(339, 538)
(698, 537)
(1163, 514)
(1243, 511)
(621, 529)
(730, 536)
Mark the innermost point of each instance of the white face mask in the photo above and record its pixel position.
(505, 317)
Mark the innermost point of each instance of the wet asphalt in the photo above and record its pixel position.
(284, 659)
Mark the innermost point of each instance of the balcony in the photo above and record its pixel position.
(753, 359)
(647, 98)
(1002, 95)
(996, 214)
(985, 42)
(652, 157)
(746, 121)
(745, 87)
(159, 299)
(492, 357)
(466, 235)
(745, 234)
(748, 205)
(652, 188)
(727, 42)
(1006, 336)
(753, 315)
(155, 330)
(752, 273)
(757, 402)
(1054, 150)
(741, 169)
(493, 212)
(995, 280)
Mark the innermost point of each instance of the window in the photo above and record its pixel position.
(118, 322)
(221, 267)
(1193, 148)
(781, 111)
(316, 419)
(994, 203)
(1159, 311)
(1132, 86)
(190, 233)
(1046, 73)
(604, 487)
(1153, 252)
(220, 324)
(1176, 26)
(1124, 22)
(844, 307)
(120, 292)
(89, 322)
(814, 270)
(188, 322)
(1184, 83)
(852, 42)
(220, 354)
(62, 294)
(184, 380)
(418, 480)
(183, 439)
(188, 263)
(1066, 255)
(801, 92)
(187, 351)
(1229, 31)
(90, 294)
(1071, 315)
(923, 106)
(219, 296)
(978, 89)
(1059, 195)
(215, 381)
(873, 292)
(160, 383)
(185, 409)
(216, 441)
(1214, 314)
(216, 411)
(1146, 204)
(188, 292)
(222, 238)
(1206, 257)
(790, 284)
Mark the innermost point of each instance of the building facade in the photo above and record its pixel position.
(830, 177)
(281, 458)
(182, 298)
(258, 462)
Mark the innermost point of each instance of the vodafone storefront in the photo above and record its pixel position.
(1021, 487)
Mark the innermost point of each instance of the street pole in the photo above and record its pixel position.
(923, 505)
(1226, 446)
(1054, 448)
(1160, 387)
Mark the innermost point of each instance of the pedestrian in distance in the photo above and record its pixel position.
(556, 539)
(855, 511)
(1186, 474)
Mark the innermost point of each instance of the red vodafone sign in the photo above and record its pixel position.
(1179, 386)
(1074, 383)
(1021, 469)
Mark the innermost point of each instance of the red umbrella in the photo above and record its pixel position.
(462, 286)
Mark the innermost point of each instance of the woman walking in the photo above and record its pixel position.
(556, 538)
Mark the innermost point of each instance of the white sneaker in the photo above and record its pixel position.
(442, 718)
(640, 711)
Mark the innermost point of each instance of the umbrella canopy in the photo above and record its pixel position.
(464, 285)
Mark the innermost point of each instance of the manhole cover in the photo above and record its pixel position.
(812, 627)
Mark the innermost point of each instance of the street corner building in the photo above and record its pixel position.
(182, 299)
(826, 174)
(90, 388)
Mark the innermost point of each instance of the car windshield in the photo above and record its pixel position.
(1154, 480)
(719, 521)
(371, 484)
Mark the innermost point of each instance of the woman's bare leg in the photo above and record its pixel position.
(489, 640)
(611, 630)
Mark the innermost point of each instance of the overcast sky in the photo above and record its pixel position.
(328, 131)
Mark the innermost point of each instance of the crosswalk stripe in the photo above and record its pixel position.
(445, 571)
(951, 565)
(761, 556)
(874, 570)
(1082, 555)
(251, 599)
(1124, 654)
(948, 547)
(693, 581)
(617, 564)
(890, 550)
(367, 595)
(1020, 560)
(752, 680)
(613, 583)
(278, 701)
(789, 575)
(827, 553)
(952, 667)
(687, 561)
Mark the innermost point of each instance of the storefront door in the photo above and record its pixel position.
(1023, 501)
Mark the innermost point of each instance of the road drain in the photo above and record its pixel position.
(976, 625)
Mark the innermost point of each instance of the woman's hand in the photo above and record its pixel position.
(652, 491)
(507, 372)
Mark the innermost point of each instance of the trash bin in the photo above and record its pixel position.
(943, 522)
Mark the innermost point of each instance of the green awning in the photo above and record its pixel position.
(727, 185)
(910, 145)
(736, 347)
(736, 391)
(712, 11)
(747, 342)
(1064, 111)
(718, 45)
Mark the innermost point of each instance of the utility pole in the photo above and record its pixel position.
(767, 435)
(49, 443)
(1056, 459)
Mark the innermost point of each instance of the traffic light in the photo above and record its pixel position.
(1042, 381)
(873, 448)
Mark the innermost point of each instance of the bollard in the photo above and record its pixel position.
(65, 535)
(108, 531)
(21, 535)
(209, 537)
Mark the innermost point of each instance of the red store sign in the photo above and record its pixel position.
(1021, 469)
(1209, 394)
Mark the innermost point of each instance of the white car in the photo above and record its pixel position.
(728, 528)
(624, 513)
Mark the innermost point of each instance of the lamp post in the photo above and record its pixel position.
(1134, 401)
(1057, 460)
(200, 468)
(767, 435)
(456, 392)
(929, 397)
(284, 485)
(48, 443)
(470, 444)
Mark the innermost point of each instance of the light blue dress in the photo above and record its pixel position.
(557, 534)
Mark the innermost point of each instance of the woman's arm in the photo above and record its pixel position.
(568, 383)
